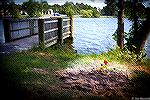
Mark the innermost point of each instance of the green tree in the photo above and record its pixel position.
(69, 8)
(96, 13)
(33, 8)
(15, 11)
(44, 5)
(86, 13)
(69, 11)
(140, 29)
(110, 10)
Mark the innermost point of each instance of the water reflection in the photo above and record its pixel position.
(94, 35)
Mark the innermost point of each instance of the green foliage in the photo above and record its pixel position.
(124, 56)
(114, 36)
(33, 8)
(15, 11)
(129, 37)
(96, 13)
(86, 13)
(128, 12)
(129, 48)
(44, 5)
(70, 9)
(110, 10)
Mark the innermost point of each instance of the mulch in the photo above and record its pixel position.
(95, 80)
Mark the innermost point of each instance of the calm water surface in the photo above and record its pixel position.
(94, 35)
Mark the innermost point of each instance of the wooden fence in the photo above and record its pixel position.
(54, 30)
(19, 28)
(51, 30)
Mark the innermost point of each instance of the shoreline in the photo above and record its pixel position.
(80, 16)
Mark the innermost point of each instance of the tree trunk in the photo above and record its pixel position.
(135, 17)
(140, 37)
(120, 31)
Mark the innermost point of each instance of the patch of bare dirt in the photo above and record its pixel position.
(111, 81)
(98, 80)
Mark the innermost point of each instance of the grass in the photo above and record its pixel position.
(124, 56)
(34, 70)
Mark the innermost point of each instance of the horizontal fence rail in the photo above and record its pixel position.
(53, 30)
(66, 28)
(19, 28)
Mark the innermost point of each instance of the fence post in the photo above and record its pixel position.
(71, 27)
(41, 32)
(6, 24)
(60, 30)
(31, 25)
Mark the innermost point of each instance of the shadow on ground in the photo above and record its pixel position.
(14, 89)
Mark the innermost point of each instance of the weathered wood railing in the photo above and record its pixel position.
(19, 28)
(51, 30)
(54, 30)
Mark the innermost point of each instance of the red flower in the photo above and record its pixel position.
(105, 62)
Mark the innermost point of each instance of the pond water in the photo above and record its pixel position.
(94, 35)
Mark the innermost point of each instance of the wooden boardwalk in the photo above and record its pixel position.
(19, 45)
(24, 34)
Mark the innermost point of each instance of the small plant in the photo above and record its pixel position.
(123, 56)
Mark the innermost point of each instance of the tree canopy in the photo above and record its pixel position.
(70, 9)
(134, 10)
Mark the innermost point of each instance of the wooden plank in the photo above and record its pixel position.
(50, 44)
(21, 33)
(22, 20)
(51, 39)
(51, 30)
(66, 26)
(67, 32)
(66, 35)
(53, 21)
(66, 20)
(19, 29)
(23, 37)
